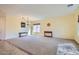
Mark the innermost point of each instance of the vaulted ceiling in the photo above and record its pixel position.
(38, 10)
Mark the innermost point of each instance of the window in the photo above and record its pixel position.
(36, 28)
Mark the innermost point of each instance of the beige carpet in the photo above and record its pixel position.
(8, 49)
(38, 45)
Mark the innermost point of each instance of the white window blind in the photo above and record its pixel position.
(36, 28)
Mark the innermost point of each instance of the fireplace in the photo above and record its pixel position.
(47, 33)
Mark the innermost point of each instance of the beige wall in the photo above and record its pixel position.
(13, 26)
(62, 27)
(2, 24)
(76, 13)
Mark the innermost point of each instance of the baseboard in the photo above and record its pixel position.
(63, 38)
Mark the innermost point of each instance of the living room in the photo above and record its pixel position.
(39, 23)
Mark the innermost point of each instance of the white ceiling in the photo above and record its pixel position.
(38, 10)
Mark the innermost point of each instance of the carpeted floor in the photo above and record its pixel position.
(38, 45)
(8, 49)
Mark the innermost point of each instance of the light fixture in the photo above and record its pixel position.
(69, 5)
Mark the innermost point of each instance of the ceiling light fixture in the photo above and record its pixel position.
(69, 5)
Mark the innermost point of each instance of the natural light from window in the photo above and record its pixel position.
(36, 28)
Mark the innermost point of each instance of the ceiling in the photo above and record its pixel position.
(37, 10)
